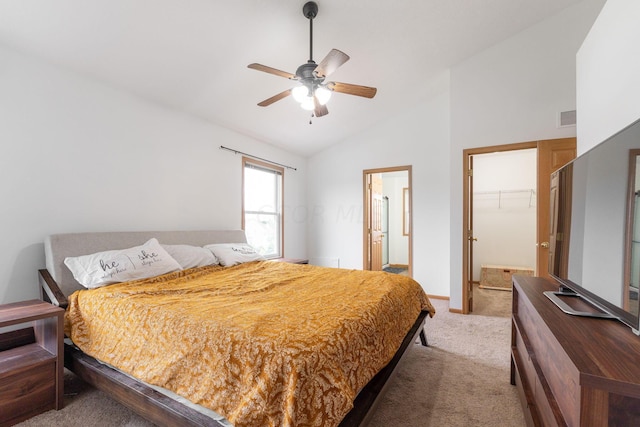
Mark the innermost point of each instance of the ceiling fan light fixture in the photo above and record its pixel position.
(299, 93)
(308, 104)
(323, 95)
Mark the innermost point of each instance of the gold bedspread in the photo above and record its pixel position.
(261, 343)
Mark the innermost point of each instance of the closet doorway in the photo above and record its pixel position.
(504, 195)
(387, 220)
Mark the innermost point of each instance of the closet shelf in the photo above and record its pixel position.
(530, 192)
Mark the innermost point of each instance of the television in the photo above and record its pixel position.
(594, 246)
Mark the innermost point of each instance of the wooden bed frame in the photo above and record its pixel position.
(56, 283)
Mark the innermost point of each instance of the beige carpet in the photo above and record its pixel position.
(461, 379)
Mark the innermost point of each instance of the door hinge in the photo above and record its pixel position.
(469, 172)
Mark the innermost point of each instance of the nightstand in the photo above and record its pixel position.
(291, 260)
(31, 360)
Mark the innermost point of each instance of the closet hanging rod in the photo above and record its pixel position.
(529, 191)
(526, 190)
(222, 147)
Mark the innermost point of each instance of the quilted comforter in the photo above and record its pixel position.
(262, 343)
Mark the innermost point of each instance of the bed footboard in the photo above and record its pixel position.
(367, 399)
(140, 398)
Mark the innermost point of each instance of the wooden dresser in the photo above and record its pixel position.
(569, 370)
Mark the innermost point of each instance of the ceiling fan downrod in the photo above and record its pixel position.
(310, 11)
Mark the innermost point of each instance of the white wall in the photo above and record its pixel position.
(79, 156)
(504, 209)
(418, 137)
(608, 66)
(512, 93)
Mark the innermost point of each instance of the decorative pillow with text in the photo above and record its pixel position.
(229, 254)
(139, 262)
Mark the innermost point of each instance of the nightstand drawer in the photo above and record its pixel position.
(28, 392)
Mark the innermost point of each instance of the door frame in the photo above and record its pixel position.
(367, 209)
(467, 287)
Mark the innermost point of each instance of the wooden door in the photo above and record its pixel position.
(552, 155)
(377, 206)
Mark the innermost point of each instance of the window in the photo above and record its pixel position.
(262, 206)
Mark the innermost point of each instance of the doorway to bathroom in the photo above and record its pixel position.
(387, 220)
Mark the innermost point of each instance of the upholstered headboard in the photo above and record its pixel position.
(59, 246)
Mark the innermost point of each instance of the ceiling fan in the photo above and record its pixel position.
(313, 92)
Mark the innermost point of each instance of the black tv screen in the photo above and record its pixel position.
(595, 225)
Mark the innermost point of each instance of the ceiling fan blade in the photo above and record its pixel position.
(331, 62)
(349, 89)
(275, 98)
(271, 70)
(319, 110)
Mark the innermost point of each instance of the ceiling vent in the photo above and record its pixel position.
(567, 118)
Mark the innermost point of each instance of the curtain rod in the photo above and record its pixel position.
(222, 147)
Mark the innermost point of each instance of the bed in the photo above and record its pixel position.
(333, 375)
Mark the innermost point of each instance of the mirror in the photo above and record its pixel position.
(405, 211)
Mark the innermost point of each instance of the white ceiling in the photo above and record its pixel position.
(192, 55)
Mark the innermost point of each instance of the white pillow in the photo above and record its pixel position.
(139, 262)
(191, 256)
(229, 254)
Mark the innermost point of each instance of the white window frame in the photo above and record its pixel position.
(279, 213)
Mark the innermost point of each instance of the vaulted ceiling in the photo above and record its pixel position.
(192, 55)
